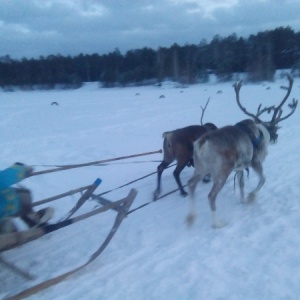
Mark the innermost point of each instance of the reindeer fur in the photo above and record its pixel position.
(228, 149)
(235, 148)
(178, 145)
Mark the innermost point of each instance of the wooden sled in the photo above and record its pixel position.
(11, 240)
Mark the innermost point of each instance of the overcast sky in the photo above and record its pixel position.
(31, 28)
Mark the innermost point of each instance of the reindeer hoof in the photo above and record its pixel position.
(206, 179)
(156, 195)
(219, 224)
(243, 201)
(184, 194)
(190, 219)
(251, 197)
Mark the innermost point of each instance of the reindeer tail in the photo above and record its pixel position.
(168, 138)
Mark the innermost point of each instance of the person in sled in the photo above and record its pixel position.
(17, 201)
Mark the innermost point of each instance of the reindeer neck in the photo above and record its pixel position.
(271, 131)
(255, 140)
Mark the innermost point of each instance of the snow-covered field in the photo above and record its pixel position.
(154, 255)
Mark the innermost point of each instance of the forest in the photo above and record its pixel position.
(258, 56)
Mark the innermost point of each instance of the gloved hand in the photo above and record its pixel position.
(28, 170)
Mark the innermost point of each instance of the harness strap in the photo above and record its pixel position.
(254, 140)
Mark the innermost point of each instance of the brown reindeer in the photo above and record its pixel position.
(178, 145)
(234, 148)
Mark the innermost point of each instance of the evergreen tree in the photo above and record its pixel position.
(258, 55)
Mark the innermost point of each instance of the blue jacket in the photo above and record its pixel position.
(9, 200)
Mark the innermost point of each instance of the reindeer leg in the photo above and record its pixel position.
(241, 182)
(216, 188)
(258, 169)
(160, 170)
(192, 183)
(176, 174)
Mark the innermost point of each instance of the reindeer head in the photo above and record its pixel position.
(272, 125)
(272, 129)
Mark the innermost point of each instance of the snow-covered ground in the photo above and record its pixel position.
(153, 255)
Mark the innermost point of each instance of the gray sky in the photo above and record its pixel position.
(30, 28)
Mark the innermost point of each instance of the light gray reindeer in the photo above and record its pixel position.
(234, 148)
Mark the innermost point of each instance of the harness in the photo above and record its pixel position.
(256, 141)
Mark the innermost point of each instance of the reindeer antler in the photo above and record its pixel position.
(237, 86)
(276, 118)
(203, 111)
(278, 110)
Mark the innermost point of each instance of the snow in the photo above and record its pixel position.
(154, 255)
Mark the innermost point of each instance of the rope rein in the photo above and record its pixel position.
(100, 163)
(94, 197)
(133, 181)
(147, 203)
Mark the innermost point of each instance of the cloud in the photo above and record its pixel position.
(32, 28)
(204, 7)
(81, 7)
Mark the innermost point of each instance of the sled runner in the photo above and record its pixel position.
(8, 241)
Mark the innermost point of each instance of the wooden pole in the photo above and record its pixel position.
(72, 192)
(67, 167)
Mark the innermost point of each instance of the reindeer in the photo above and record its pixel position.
(178, 145)
(234, 148)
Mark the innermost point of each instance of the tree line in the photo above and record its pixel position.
(258, 56)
